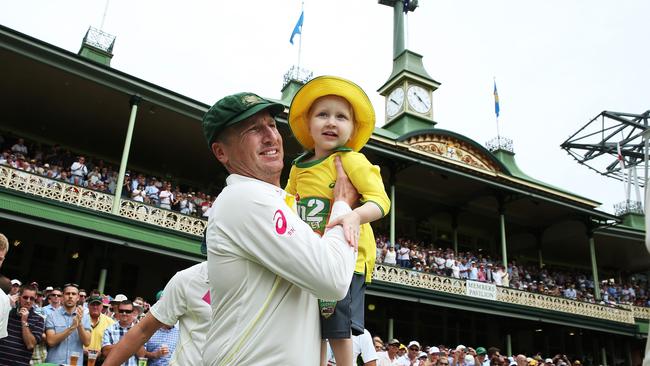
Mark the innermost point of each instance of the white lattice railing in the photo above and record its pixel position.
(60, 191)
(504, 294)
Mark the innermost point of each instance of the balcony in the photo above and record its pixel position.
(624, 314)
(59, 191)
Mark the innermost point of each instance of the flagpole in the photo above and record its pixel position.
(302, 12)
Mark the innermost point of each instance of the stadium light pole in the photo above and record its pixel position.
(134, 101)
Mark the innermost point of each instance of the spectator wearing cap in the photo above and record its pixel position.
(186, 300)
(413, 351)
(15, 287)
(25, 330)
(67, 329)
(391, 357)
(434, 357)
(115, 303)
(114, 333)
(98, 322)
(480, 356)
(458, 358)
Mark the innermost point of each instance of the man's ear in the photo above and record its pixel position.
(219, 152)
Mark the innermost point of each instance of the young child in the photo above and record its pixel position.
(330, 117)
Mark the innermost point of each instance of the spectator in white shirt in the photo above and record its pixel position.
(79, 171)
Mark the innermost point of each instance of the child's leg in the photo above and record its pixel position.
(336, 328)
(342, 349)
(357, 303)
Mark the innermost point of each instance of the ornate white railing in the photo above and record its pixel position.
(641, 312)
(456, 286)
(60, 191)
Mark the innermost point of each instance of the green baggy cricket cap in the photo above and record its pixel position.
(233, 109)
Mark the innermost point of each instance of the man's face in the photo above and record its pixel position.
(27, 299)
(252, 148)
(125, 314)
(55, 297)
(82, 297)
(393, 348)
(14, 289)
(413, 352)
(70, 297)
(94, 309)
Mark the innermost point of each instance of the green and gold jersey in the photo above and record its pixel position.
(312, 183)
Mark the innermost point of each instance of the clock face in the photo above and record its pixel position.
(419, 99)
(394, 102)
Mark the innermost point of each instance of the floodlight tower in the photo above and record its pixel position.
(615, 145)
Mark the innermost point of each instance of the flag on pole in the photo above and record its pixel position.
(298, 28)
(496, 100)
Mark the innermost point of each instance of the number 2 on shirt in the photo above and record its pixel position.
(314, 211)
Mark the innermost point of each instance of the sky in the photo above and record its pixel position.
(557, 64)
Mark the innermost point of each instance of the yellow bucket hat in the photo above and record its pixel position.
(364, 113)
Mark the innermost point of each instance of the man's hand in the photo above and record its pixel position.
(24, 314)
(343, 189)
(76, 322)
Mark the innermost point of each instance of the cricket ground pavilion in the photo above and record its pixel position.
(446, 189)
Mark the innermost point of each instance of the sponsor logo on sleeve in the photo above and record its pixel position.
(280, 222)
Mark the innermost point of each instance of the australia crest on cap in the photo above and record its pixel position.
(250, 99)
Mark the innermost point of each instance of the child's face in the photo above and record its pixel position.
(331, 124)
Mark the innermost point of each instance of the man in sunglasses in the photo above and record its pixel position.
(125, 320)
(25, 329)
(54, 301)
(67, 329)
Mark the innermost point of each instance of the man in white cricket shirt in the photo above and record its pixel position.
(186, 299)
(266, 265)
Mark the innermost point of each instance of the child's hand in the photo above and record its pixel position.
(350, 223)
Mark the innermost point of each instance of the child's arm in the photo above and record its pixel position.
(368, 212)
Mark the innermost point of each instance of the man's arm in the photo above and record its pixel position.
(273, 235)
(28, 337)
(132, 342)
(52, 338)
(84, 335)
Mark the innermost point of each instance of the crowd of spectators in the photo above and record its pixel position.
(393, 352)
(572, 284)
(57, 163)
(57, 324)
